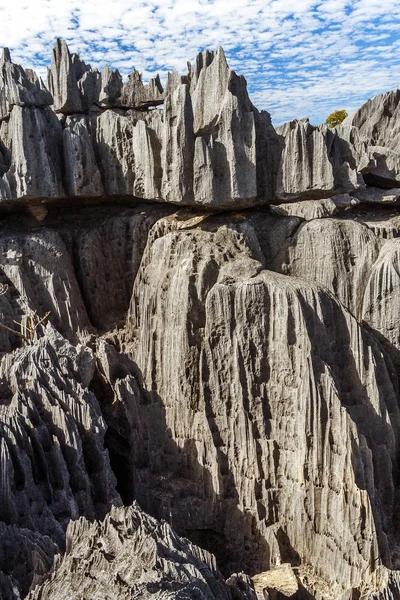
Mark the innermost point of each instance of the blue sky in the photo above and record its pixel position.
(301, 58)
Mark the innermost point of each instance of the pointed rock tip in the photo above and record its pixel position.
(5, 56)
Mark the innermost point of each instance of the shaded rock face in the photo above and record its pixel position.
(314, 163)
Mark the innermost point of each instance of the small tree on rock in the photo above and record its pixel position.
(335, 118)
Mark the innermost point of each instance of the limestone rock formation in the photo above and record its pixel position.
(308, 209)
(314, 163)
(338, 254)
(133, 556)
(231, 366)
(373, 132)
(19, 87)
(198, 142)
(205, 355)
(33, 139)
(26, 557)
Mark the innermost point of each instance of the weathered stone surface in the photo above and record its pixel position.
(307, 209)
(108, 256)
(131, 556)
(113, 135)
(314, 163)
(277, 584)
(224, 163)
(382, 294)
(63, 77)
(33, 138)
(373, 132)
(243, 459)
(53, 464)
(25, 558)
(178, 144)
(135, 94)
(81, 171)
(38, 268)
(338, 254)
(19, 87)
(378, 196)
(108, 88)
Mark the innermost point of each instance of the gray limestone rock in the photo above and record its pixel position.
(178, 145)
(382, 291)
(280, 377)
(135, 94)
(108, 88)
(338, 254)
(378, 196)
(82, 174)
(33, 138)
(373, 132)
(307, 209)
(130, 556)
(25, 558)
(314, 163)
(224, 163)
(19, 87)
(54, 467)
(63, 77)
(41, 277)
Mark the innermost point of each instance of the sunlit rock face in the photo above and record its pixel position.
(191, 396)
(198, 142)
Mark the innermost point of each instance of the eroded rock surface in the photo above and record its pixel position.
(133, 556)
(235, 373)
(198, 142)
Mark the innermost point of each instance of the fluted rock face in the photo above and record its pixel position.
(314, 163)
(260, 455)
(198, 142)
(54, 466)
(26, 557)
(41, 277)
(339, 254)
(248, 408)
(19, 87)
(208, 145)
(33, 139)
(133, 556)
(373, 131)
(380, 308)
(235, 373)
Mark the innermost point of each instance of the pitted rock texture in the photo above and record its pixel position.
(54, 467)
(131, 555)
(337, 253)
(19, 87)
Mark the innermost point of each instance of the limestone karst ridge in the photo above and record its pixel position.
(212, 408)
(198, 142)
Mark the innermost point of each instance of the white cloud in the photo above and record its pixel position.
(300, 57)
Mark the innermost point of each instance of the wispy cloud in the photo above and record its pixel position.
(300, 57)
